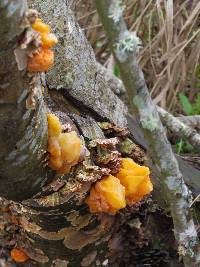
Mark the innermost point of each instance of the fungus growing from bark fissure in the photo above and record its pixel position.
(135, 179)
(18, 255)
(64, 148)
(130, 185)
(43, 59)
(107, 195)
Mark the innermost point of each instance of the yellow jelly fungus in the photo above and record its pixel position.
(41, 61)
(54, 125)
(55, 163)
(54, 147)
(107, 195)
(64, 148)
(70, 145)
(135, 179)
(40, 26)
(48, 40)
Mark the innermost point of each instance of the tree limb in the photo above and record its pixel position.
(192, 121)
(124, 46)
(117, 87)
(179, 128)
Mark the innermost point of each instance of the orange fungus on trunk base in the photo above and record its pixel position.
(18, 255)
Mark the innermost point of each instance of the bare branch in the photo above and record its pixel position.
(191, 121)
(179, 128)
(124, 46)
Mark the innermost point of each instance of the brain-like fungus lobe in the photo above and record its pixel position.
(43, 58)
(107, 195)
(18, 255)
(135, 179)
(112, 193)
(64, 148)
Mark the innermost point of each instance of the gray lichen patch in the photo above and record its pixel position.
(148, 116)
(128, 43)
(116, 10)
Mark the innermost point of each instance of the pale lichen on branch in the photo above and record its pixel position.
(116, 10)
(177, 194)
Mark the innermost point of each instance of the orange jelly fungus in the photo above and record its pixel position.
(135, 179)
(44, 58)
(18, 255)
(64, 148)
(107, 195)
(48, 40)
(41, 61)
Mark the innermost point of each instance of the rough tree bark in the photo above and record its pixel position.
(55, 227)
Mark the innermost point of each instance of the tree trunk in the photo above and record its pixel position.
(53, 223)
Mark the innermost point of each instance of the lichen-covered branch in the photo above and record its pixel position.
(190, 173)
(179, 128)
(23, 129)
(192, 121)
(125, 46)
(185, 122)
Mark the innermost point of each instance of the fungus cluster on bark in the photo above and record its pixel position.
(64, 148)
(43, 59)
(135, 179)
(107, 195)
(130, 185)
(18, 255)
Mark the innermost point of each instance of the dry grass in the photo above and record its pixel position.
(170, 32)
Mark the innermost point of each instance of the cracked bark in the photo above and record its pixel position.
(124, 47)
(51, 211)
